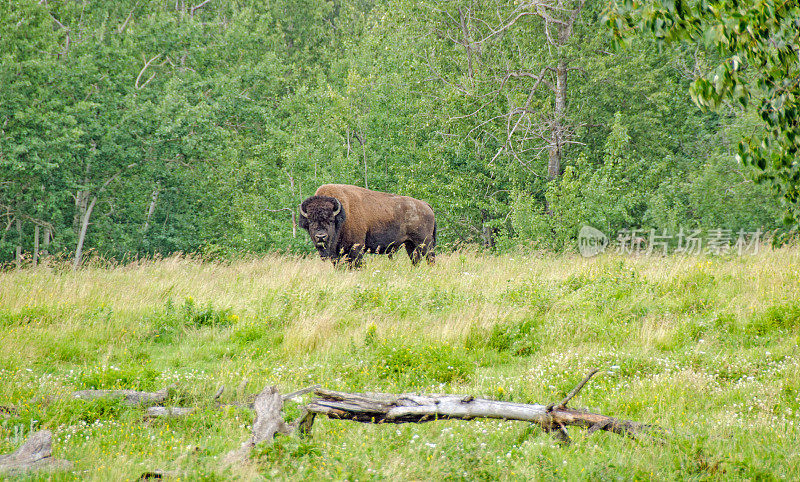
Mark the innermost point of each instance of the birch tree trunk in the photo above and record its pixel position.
(35, 244)
(84, 224)
(152, 208)
(18, 253)
(557, 129)
(48, 235)
(85, 211)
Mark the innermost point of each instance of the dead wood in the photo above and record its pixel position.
(269, 422)
(417, 408)
(167, 412)
(219, 393)
(156, 412)
(130, 397)
(32, 456)
(269, 416)
(301, 392)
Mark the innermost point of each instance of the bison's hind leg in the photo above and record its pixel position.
(426, 250)
(417, 251)
(413, 252)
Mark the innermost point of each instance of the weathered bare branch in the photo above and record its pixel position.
(198, 7)
(301, 392)
(508, 23)
(34, 455)
(268, 423)
(527, 105)
(10, 211)
(128, 18)
(575, 391)
(417, 408)
(167, 412)
(141, 72)
(130, 397)
(58, 22)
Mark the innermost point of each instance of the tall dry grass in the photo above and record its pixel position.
(706, 346)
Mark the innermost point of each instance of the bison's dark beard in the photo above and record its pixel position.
(329, 249)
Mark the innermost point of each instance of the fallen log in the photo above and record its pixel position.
(417, 408)
(168, 412)
(32, 456)
(173, 412)
(130, 397)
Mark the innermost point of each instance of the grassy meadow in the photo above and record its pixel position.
(706, 347)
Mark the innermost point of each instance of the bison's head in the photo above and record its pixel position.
(323, 218)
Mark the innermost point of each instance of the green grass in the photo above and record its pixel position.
(706, 347)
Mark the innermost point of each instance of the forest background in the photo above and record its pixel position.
(141, 128)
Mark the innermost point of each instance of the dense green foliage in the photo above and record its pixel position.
(758, 44)
(156, 127)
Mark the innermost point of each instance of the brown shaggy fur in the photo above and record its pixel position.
(375, 222)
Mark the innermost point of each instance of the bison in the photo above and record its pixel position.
(347, 221)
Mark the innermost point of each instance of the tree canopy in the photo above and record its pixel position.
(139, 128)
(757, 60)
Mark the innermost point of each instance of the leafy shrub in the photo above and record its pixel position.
(421, 364)
(90, 410)
(135, 378)
(529, 295)
(249, 333)
(724, 322)
(195, 315)
(778, 317)
(25, 316)
(166, 325)
(516, 338)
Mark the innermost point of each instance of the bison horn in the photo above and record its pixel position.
(338, 207)
(303, 213)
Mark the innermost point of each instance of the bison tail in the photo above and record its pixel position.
(430, 256)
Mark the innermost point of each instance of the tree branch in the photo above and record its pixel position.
(198, 7)
(527, 105)
(130, 15)
(141, 72)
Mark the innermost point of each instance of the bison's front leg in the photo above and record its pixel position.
(354, 256)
